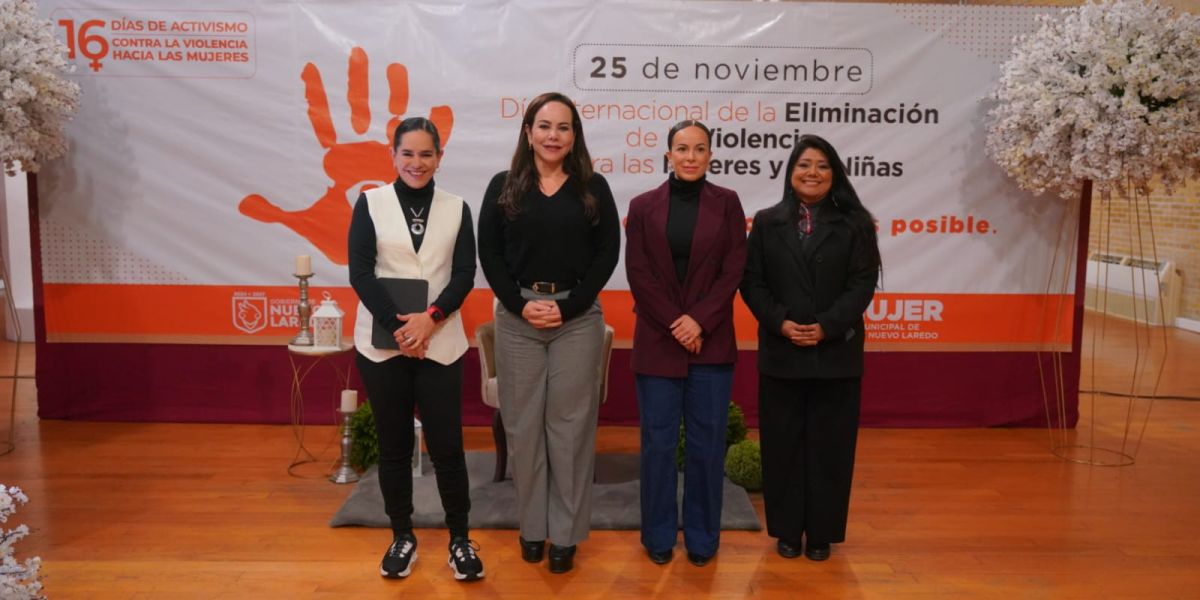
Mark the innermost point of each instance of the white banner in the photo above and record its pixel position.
(214, 145)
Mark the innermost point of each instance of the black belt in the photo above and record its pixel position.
(547, 287)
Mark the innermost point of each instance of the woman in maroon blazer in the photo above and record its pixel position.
(684, 256)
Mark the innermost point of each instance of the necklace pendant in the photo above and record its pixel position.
(417, 227)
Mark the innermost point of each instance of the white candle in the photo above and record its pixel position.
(304, 265)
(349, 400)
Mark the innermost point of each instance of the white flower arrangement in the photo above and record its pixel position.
(35, 100)
(18, 581)
(1110, 93)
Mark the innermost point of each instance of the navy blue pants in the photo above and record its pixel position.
(702, 399)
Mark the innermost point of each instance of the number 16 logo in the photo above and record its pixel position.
(92, 46)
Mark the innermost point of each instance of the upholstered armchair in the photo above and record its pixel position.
(485, 336)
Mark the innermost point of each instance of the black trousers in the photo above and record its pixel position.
(808, 430)
(393, 388)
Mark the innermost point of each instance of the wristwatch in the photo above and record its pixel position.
(435, 313)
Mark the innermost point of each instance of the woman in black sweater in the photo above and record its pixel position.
(549, 239)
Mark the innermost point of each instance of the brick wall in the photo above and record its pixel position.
(1176, 222)
(1176, 219)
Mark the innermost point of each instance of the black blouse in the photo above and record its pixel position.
(552, 240)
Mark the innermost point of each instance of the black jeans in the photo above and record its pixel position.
(393, 388)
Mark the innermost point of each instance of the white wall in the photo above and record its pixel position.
(14, 236)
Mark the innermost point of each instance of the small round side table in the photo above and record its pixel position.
(303, 360)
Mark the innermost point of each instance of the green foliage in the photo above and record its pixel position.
(735, 431)
(743, 464)
(364, 451)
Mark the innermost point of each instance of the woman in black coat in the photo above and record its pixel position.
(813, 260)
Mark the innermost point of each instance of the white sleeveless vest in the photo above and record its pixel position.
(395, 257)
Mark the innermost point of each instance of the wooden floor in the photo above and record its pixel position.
(123, 510)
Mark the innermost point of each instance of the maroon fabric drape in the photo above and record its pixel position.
(252, 384)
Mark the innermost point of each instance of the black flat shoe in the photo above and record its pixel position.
(532, 551)
(661, 558)
(788, 549)
(699, 559)
(562, 558)
(817, 551)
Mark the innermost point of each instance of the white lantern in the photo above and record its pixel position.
(327, 325)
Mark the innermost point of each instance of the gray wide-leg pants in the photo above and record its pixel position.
(549, 386)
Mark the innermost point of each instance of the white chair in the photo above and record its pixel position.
(485, 337)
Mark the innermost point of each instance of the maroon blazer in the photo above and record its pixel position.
(714, 271)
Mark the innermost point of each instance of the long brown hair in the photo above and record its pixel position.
(522, 175)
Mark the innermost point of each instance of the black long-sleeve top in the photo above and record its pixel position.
(550, 240)
(363, 252)
(681, 221)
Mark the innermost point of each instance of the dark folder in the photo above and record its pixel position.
(409, 296)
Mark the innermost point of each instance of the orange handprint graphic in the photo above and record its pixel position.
(326, 222)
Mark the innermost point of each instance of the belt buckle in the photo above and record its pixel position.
(543, 287)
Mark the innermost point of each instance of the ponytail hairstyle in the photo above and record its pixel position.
(684, 124)
(417, 124)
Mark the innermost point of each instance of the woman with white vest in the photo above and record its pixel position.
(415, 230)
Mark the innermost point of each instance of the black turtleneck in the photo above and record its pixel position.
(362, 246)
(681, 221)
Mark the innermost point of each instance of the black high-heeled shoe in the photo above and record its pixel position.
(661, 558)
(788, 549)
(562, 558)
(817, 552)
(532, 551)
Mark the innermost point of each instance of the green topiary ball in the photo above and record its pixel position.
(735, 431)
(364, 450)
(743, 465)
